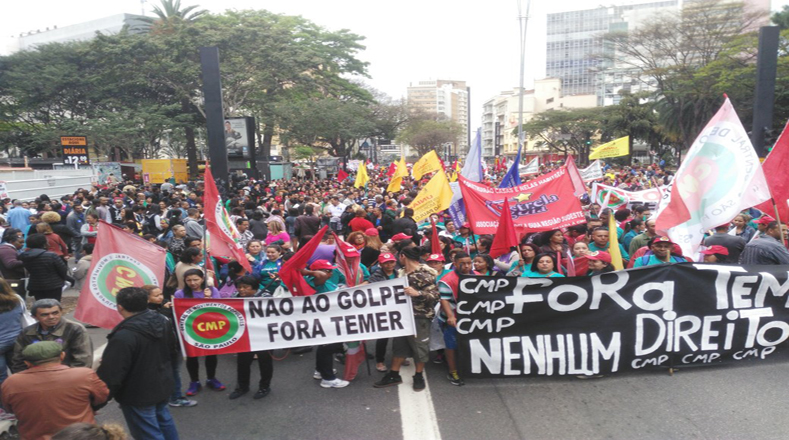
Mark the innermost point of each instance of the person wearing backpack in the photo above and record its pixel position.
(659, 253)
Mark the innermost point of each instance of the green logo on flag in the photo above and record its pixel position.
(212, 326)
(113, 272)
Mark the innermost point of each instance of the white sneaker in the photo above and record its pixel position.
(336, 383)
(317, 375)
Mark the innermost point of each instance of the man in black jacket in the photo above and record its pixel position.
(137, 366)
(307, 225)
(405, 224)
(48, 272)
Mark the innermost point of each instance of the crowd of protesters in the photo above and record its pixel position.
(47, 247)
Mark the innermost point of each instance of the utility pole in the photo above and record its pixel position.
(523, 21)
(766, 65)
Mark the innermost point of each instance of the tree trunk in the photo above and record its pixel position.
(265, 145)
(191, 147)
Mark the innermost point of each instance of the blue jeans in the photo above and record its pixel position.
(150, 422)
(177, 394)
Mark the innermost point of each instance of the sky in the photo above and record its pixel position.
(406, 40)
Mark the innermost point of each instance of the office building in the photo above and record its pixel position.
(443, 97)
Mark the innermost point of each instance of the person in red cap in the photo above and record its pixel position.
(716, 254)
(466, 240)
(436, 262)
(731, 242)
(659, 253)
(372, 248)
(761, 226)
(599, 262)
(384, 271)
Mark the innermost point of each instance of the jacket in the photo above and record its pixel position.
(47, 270)
(74, 222)
(76, 344)
(423, 279)
(11, 267)
(193, 228)
(81, 271)
(406, 225)
(377, 274)
(137, 362)
(307, 225)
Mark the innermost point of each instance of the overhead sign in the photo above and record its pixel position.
(75, 150)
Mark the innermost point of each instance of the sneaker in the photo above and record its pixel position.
(419, 382)
(183, 402)
(317, 375)
(391, 378)
(336, 383)
(238, 392)
(454, 379)
(194, 388)
(439, 359)
(215, 385)
(263, 392)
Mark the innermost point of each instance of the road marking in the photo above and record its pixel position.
(98, 352)
(417, 414)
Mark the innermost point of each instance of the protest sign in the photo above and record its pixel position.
(542, 204)
(238, 325)
(593, 172)
(614, 198)
(667, 315)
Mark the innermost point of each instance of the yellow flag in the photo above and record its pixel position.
(401, 169)
(613, 244)
(361, 176)
(614, 148)
(434, 197)
(426, 164)
(394, 185)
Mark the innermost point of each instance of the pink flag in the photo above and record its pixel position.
(119, 260)
(720, 176)
(775, 167)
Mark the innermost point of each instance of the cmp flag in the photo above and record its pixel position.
(426, 165)
(222, 235)
(434, 197)
(720, 176)
(541, 204)
(615, 148)
(119, 260)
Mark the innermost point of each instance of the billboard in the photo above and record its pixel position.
(75, 150)
(239, 137)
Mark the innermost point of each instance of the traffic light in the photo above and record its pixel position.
(588, 142)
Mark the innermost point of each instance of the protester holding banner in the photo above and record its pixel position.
(448, 291)
(544, 266)
(527, 253)
(267, 271)
(660, 252)
(248, 287)
(424, 297)
(195, 286)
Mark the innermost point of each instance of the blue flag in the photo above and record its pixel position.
(512, 178)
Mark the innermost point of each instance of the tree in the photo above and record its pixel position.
(672, 49)
(169, 12)
(565, 131)
(635, 117)
(424, 132)
(781, 18)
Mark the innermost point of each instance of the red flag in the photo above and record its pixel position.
(290, 272)
(578, 181)
(505, 237)
(542, 204)
(775, 167)
(119, 260)
(392, 168)
(222, 235)
(435, 243)
(342, 175)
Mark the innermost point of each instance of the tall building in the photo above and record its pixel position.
(443, 97)
(575, 42)
(500, 115)
(76, 32)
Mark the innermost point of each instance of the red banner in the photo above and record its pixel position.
(119, 260)
(541, 204)
(222, 235)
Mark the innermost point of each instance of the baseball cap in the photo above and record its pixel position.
(370, 232)
(321, 265)
(599, 256)
(662, 239)
(349, 250)
(383, 258)
(716, 249)
(400, 236)
(435, 257)
(763, 220)
(41, 351)
(466, 225)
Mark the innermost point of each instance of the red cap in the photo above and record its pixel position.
(716, 249)
(400, 236)
(383, 258)
(765, 219)
(466, 225)
(348, 250)
(371, 232)
(662, 239)
(435, 257)
(321, 265)
(599, 256)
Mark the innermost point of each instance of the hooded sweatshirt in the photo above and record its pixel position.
(137, 363)
(47, 270)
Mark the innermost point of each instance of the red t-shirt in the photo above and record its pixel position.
(360, 224)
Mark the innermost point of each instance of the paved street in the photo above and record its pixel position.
(740, 401)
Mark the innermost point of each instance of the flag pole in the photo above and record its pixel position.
(778, 218)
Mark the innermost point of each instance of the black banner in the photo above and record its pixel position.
(668, 315)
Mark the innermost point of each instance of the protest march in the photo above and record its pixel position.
(526, 268)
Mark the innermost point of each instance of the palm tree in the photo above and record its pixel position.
(169, 12)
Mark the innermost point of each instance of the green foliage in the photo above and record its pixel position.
(781, 18)
(565, 131)
(425, 132)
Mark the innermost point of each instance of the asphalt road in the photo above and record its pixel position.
(742, 401)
